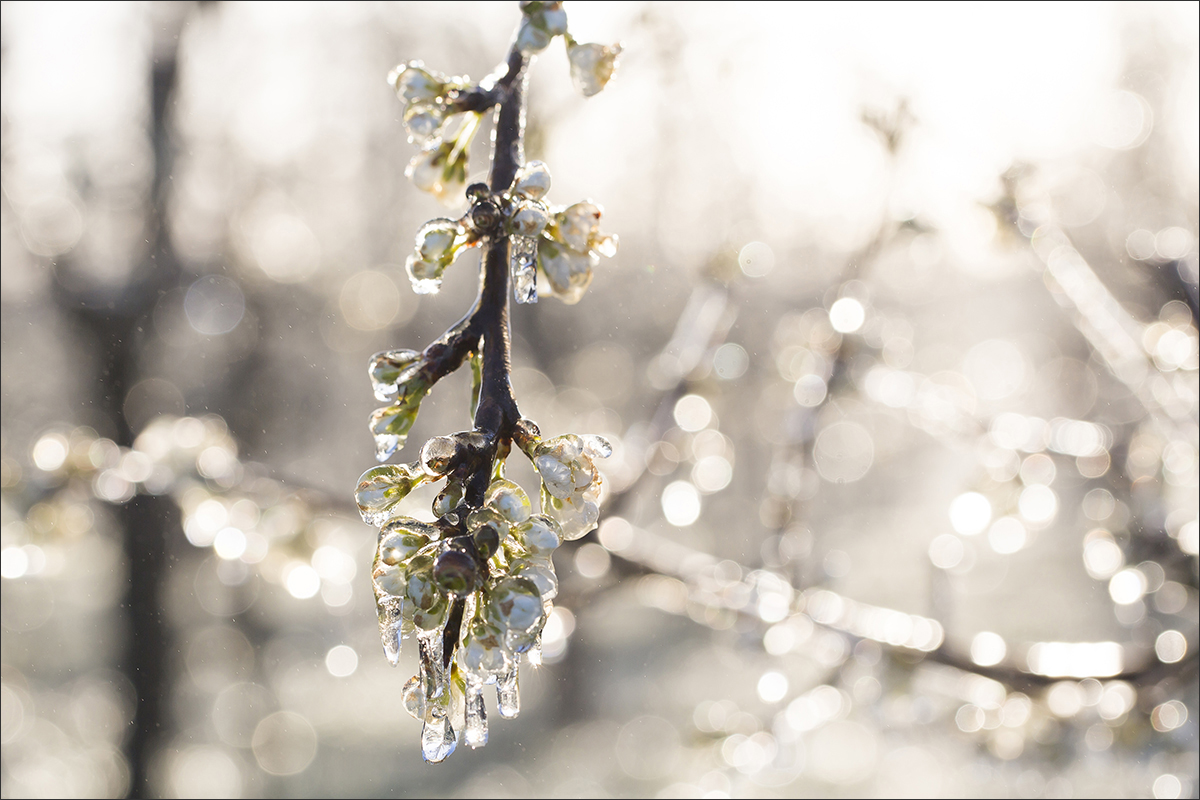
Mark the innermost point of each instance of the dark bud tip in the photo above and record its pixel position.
(487, 540)
(455, 572)
(485, 216)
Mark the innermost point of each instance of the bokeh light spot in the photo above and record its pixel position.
(284, 743)
(693, 413)
(681, 503)
(214, 305)
(341, 661)
(756, 259)
(847, 315)
(970, 513)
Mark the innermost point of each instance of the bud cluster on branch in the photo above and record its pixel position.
(475, 586)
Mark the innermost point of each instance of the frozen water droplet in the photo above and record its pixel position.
(390, 369)
(522, 261)
(391, 623)
(386, 444)
(508, 697)
(476, 727)
(433, 671)
(438, 739)
(414, 698)
(596, 446)
(381, 488)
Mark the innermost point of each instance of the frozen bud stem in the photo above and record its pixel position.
(475, 587)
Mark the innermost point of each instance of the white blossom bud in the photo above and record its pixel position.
(531, 39)
(532, 180)
(530, 221)
(592, 66)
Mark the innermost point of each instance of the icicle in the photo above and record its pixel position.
(476, 728)
(391, 624)
(522, 261)
(438, 739)
(433, 671)
(508, 697)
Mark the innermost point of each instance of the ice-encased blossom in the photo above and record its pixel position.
(592, 66)
(539, 535)
(401, 539)
(532, 181)
(542, 21)
(514, 604)
(568, 273)
(391, 371)
(413, 83)
(427, 97)
(508, 500)
(424, 121)
(530, 220)
(438, 243)
(441, 170)
(570, 249)
(390, 425)
(571, 484)
(381, 488)
(539, 571)
(482, 653)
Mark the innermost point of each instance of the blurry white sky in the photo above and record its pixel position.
(769, 97)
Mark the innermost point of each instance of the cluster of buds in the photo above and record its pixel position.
(443, 130)
(439, 118)
(475, 586)
(479, 580)
(592, 65)
(564, 243)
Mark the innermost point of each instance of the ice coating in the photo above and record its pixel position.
(508, 696)
(522, 261)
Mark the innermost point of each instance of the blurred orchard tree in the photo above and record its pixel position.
(899, 378)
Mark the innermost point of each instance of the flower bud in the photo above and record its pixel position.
(400, 539)
(482, 654)
(413, 83)
(569, 273)
(540, 572)
(554, 19)
(487, 517)
(516, 604)
(435, 240)
(508, 500)
(428, 619)
(423, 121)
(532, 181)
(426, 276)
(390, 425)
(420, 587)
(592, 66)
(540, 535)
(390, 369)
(484, 216)
(455, 572)
(425, 168)
(487, 539)
(577, 224)
(529, 221)
(531, 39)
(381, 488)
(391, 581)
